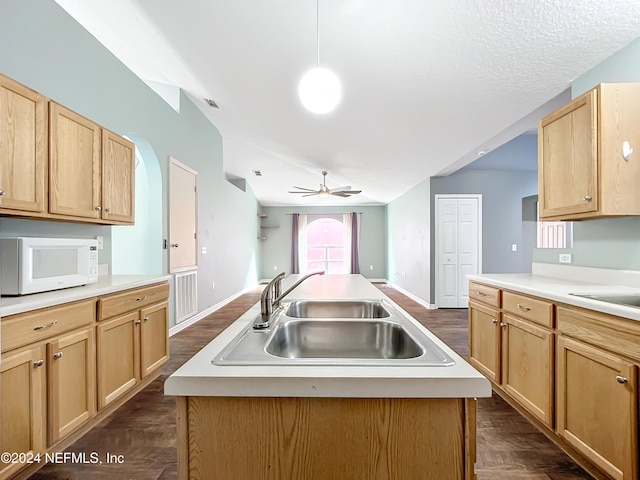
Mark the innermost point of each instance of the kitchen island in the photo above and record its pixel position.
(325, 421)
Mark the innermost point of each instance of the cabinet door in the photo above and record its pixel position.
(118, 356)
(118, 176)
(597, 407)
(72, 382)
(527, 366)
(23, 148)
(154, 338)
(484, 340)
(74, 154)
(22, 404)
(568, 158)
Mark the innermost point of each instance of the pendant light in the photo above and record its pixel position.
(319, 88)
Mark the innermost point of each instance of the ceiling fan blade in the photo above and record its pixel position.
(340, 194)
(309, 191)
(302, 188)
(341, 189)
(310, 194)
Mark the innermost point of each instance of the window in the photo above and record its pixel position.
(325, 246)
(557, 234)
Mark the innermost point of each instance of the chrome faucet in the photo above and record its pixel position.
(271, 297)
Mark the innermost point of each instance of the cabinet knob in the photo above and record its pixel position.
(174, 245)
(1, 192)
(502, 324)
(38, 363)
(494, 321)
(146, 319)
(107, 210)
(57, 355)
(587, 198)
(138, 322)
(98, 208)
(621, 379)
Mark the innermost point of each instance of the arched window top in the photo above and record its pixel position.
(325, 245)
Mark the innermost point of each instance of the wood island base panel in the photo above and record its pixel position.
(255, 438)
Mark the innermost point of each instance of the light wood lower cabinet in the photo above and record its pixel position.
(131, 346)
(597, 407)
(485, 340)
(23, 404)
(71, 382)
(118, 357)
(527, 366)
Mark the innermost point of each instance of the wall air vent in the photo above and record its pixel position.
(211, 103)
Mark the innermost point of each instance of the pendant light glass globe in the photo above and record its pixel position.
(320, 90)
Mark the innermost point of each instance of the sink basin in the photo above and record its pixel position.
(342, 339)
(336, 333)
(621, 299)
(336, 309)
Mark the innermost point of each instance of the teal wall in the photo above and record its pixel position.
(408, 241)
(44, 48)
(276, 249)
(610, 243)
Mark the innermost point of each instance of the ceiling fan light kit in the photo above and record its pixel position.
(319, 88)
(324, 191)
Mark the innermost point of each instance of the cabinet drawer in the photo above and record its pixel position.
(615, 334)
(485, 294)
(523, 306)
(130, 300)
(25, 328)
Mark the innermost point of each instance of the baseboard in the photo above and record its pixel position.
(415, 298)
(208, 311)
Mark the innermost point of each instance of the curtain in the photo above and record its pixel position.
(299, 243)
(351, 242)
(295, 259)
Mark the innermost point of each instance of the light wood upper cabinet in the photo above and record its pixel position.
(23, 149)
(582, 172)
(71, 382)
(118, 176)
(597, 407)
(22, 404)
(74, 164)
(55, 163)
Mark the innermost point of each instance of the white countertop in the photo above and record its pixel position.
(199, 377)
(105, 285)
(559, 289)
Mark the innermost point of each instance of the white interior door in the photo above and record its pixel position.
(183, 215)
(458, 240)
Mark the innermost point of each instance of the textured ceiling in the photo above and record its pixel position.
(426, 83)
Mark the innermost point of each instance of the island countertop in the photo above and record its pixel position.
(200, 377)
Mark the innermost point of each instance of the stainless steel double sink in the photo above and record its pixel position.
(335, 332)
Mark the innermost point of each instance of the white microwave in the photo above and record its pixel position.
(32, 265)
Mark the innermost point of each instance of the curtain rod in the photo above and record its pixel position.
(331, 213)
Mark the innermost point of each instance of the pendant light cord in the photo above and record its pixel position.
(318, 31)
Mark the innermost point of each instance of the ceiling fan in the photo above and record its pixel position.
(324, 190)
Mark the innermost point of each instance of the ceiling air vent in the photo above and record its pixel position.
(257, 173)
(211, 103)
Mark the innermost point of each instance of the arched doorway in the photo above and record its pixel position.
(137, 249)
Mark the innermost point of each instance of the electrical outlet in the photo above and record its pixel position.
(275, 267)
(370, 267)
(213, 285)
(514, 247)
(564, 258)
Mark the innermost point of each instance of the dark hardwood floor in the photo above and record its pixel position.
(143, 430)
